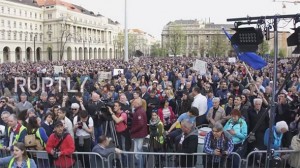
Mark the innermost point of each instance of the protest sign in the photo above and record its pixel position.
(102, 75)
(232, 60)
(200, 66)
(58, 69)
(116, 71)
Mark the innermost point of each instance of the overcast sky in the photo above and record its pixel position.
(151, 15)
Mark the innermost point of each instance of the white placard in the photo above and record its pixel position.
(116, 71)
(200, 66)
(284, 61)
(232, 60)
(102, 75)
(58, 69)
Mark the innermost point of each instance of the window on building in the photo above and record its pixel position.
(49, 16)
(2, 35)
(30, 37)
(35, 27)
(15, 11)
(30, 26)
(41, 37)
(40, 16)
(20, 12)
(41, 27)
(8, 10)
(21, 36)
(2, 23)
(8, 23)
(35, 15)
(30, 14)
(49, 37)
(15, 24)
(2, 9)
(8, 35)
(25, 25)
(20, 25)
(15, 35)
(49, 27)
(25, 13)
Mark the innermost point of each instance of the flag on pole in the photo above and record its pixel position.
(250, 58)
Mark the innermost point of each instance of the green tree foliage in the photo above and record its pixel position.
(219, 45)
(264, 48)
(176, 40)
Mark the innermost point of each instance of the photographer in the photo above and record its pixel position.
(60, 146)
(94, 109)
(120, 118)
(83, 128)
(218, 146)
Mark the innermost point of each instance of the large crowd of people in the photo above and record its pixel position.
(164, 98)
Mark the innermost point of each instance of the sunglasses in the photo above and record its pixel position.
(3, 101)
(74, 109)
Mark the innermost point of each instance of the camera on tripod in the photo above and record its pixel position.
(104, 109)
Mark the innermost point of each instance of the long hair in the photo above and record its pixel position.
(22, 147)
(32, 124)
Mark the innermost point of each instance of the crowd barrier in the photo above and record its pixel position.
(255, 159)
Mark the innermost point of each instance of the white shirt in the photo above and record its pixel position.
(82, 132)
(200, 102)
(69, 126)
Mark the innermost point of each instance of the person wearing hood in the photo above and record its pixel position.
(60, 147)
(188, 144)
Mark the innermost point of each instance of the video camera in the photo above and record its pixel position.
(104, 109)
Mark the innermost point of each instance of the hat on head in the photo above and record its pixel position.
(75, 106)
(58, 123)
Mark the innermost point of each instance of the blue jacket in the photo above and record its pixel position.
(240, 128)
(277, 137)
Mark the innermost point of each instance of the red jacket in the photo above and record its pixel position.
(161, 116)
(139, 123)
(66, 148)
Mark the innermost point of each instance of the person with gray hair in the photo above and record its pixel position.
(23, 104)
(217, 145)
(188, 143)
(279, 129)
(254, 115)
(15, 130)
(216, 113)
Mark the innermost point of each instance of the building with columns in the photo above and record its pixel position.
(54, 30)
(141, 41)
(201, 39)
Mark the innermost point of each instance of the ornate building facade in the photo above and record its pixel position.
(54, 30)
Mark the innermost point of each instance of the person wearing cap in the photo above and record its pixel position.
(66, 148)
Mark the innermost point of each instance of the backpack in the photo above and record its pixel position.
(31, 141)
(129, 119)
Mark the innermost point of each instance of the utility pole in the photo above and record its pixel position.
(126, 35)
